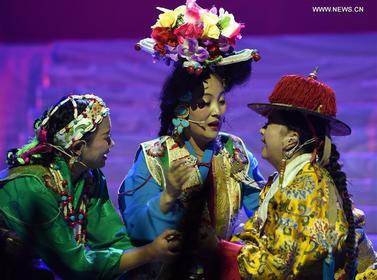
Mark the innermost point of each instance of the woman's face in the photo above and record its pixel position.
(209, 110)
(94, 154)
(277, 140)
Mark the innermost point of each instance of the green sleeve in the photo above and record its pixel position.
(32, 211)
(105, 227)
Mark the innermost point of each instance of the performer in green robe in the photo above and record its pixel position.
(54, 196)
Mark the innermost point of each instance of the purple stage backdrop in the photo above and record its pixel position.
(36, 70)
(46, 20)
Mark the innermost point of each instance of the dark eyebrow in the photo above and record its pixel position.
(209, 94)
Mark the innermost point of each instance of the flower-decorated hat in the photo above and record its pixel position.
(200, 37)
(306, 95)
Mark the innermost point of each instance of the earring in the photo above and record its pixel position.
(180, 121)
(287, 155)
(72, 160)
(283, 164)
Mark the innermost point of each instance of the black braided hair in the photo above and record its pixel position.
(62, 117)
(180, 82)
(296, 121)
(340, 180)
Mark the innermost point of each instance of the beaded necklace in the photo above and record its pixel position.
(75, 218)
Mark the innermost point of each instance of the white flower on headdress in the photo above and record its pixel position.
(229, 27)
(169, 17)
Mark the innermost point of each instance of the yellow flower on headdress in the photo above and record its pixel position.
(169, 17)
(210, 28)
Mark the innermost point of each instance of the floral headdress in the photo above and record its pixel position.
(198, 36)
(83, 122)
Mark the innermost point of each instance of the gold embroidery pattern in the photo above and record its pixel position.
(226, 178)
(297, 234)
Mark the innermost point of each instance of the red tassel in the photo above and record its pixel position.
(42, 135)
(39, 149)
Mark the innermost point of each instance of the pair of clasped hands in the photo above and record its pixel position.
(176, 177)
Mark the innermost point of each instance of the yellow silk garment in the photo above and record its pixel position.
(305, 222)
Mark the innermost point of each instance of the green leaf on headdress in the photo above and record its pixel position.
(180, 20)
(224, 22)
(211, 61)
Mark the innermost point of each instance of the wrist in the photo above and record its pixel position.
(167, 202)
(168, 198)
(150, 252)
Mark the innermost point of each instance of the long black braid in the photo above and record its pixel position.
(340, 180)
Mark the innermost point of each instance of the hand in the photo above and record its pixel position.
(176, 176)
(166, 246)
(163, 249)
(208, 238)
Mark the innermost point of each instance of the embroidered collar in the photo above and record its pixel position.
(290, 173)
(293, 168)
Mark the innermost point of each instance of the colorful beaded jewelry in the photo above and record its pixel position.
(75, 218)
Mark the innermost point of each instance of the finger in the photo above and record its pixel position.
(172, 179)
(181, 169)
(184, 170)
(168, 232)
(170, 257)
(176, 164)
(171, 169)
(178, 178)
(174, 247)
(185, 177)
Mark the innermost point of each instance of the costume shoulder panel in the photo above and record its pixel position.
(154, 152)
(240, 162)
(155, 147)
(236, 148)
(37, 171)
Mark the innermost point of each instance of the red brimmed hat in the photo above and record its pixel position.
(305, 95)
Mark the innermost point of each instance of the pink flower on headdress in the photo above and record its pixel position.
(192, 11)
(188, 30)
